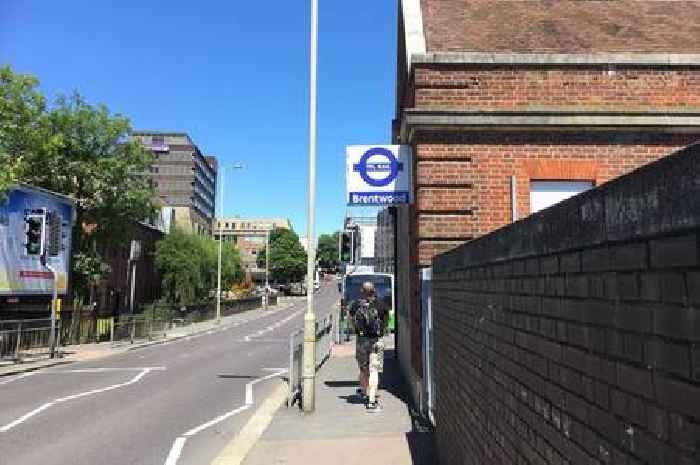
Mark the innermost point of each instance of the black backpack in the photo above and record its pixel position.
(367, 320)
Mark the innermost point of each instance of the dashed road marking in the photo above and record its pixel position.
(47, 405)
(179, 443)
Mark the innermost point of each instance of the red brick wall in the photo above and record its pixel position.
(503, 87)
(463, 180)
(572, 336)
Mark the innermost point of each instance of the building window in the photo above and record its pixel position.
(544, 194)
(158, 140)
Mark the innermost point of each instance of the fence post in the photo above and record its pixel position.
(17, 346)
(133, 329)
(149, 328)
(111, 329)
(292, 376)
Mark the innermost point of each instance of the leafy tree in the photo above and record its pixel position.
(188, 265)
(22, 124)
(287, 256)
(80, 150)
(327, 252)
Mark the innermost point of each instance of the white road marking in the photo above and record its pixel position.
(216, 420)
(175, 451)
(179, 443)
(272, 327)
(15, 378)
(41, 408)
(102, 370)
(25, 417)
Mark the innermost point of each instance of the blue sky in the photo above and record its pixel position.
(233, 74)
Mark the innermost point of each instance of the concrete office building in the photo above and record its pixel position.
(184, 179)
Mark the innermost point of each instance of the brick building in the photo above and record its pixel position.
(571, 337)
(249, 235)
(510, 105)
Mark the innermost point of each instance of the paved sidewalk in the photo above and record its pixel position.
(341, 431)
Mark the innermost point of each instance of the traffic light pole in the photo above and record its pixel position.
(54, 298)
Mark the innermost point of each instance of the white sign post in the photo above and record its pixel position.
(379, 175)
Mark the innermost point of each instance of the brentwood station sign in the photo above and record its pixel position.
(378, 174)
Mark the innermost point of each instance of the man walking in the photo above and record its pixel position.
(370, 318)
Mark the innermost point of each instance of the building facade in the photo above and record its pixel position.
(249, 235)
(184, 179)
(113, 294)
(385, 241)
(503, 121)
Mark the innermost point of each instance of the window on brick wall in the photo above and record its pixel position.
(544, 194)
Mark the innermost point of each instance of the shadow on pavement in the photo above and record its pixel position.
(420, 438)
(341, 384)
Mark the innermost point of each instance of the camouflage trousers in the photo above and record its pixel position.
(369, 353)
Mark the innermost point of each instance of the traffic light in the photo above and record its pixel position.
(346, 247)
(34, 232)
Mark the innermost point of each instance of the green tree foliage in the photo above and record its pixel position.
(80, 150)
(188, 264)
(287, 256)
(22, 124)
(327, 252)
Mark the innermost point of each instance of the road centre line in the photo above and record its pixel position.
(224, 328)
(274, 326)
(47, 405)
(179, 443)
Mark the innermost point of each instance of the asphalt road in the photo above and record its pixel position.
(132, 407)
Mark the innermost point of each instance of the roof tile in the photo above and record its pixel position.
(561, 26)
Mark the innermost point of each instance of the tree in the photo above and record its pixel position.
(188, 266)
(327, 252)
(287, 256)
(22, 124)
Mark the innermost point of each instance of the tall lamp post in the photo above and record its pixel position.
(267, 267)
(309, 356)
(236, 166)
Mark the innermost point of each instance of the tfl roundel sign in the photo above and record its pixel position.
(378, 175)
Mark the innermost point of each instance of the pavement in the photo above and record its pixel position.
(178, 402)
(341, 431)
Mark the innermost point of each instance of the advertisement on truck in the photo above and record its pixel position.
(34, 223)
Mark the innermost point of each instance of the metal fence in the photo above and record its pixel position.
(25, 339)
(326, 335)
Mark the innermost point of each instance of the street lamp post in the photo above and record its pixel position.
(237, 166)
(309, 356)
(267, 267)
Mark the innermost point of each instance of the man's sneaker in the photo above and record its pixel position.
(373, 407)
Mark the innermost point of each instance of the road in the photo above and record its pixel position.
(131, 408)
